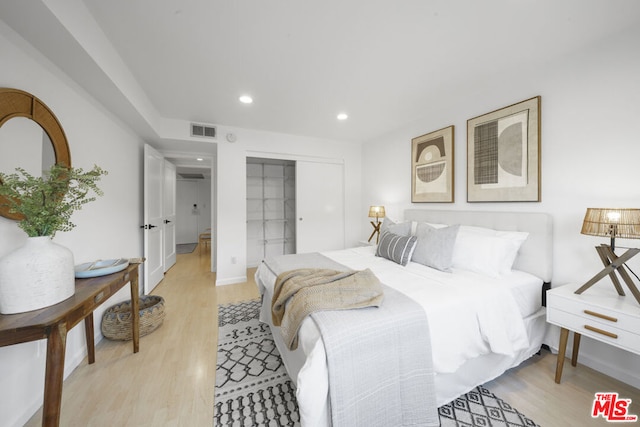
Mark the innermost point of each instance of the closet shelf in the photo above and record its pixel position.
(270, 199)
(277, 241)
(271, 216)
(275, 178)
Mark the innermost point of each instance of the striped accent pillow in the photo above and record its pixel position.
(396, 248)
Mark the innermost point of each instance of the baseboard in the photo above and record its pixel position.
(626, 376)
(232, 280)
(71, 362)
(28, 412)
(622, 375)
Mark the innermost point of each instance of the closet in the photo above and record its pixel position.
(271, 208)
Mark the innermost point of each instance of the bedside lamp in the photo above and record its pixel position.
(376, 212)
(612, 223)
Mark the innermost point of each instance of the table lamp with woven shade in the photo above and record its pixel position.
(376, 212)
(623, 223)
(612, 223)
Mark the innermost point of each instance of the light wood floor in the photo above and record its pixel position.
(170, 381)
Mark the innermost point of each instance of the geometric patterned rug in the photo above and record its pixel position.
(480, 407)
(252, 385)
(254, 389)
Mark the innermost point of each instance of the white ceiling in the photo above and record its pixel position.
(303, 61)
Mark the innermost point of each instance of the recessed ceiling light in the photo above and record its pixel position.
(199, 159)
(343, 116)
(246, 99)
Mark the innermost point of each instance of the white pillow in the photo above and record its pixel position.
(487, 251)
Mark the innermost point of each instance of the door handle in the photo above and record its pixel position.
(148, 226)
(166, 221)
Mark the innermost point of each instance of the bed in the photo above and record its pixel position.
(483, 319)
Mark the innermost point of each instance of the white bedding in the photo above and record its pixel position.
(469, 314)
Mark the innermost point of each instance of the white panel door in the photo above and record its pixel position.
(319, 206)
(169, 214)
(153, 219)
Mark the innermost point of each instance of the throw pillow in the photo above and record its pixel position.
(401, 229)
(396, 248)
(435, 246)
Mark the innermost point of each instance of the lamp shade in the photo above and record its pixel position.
(606, 222)
(376, 212)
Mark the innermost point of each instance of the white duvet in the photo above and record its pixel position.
(469, 315)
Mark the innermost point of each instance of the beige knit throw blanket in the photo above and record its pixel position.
(307, 290)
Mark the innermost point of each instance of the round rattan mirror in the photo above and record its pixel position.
(18, 103)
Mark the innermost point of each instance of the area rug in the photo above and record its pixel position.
(185, 248)
(253, 388)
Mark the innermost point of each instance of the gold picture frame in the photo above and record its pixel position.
(432, 167)
(503, 154)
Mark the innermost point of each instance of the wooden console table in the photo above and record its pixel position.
(52, 323)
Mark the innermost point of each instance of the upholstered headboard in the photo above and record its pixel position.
(536, 253)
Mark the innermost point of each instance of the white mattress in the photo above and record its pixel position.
(506, 300)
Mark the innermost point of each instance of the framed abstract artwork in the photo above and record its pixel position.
(503, 154)
(432, 172)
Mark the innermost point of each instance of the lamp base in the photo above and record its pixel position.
(612, 264)
(376, 231)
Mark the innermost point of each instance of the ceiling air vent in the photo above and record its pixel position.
(205, 131)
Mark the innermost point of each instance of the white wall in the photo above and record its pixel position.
(191, 222)
(590, 152)
(232, 188)
(204, 197)
(187, 215)
(106, 228)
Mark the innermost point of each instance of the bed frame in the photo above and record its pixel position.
(535, 257)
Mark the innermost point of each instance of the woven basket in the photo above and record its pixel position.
(116, 321)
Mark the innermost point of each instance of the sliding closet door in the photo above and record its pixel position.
(319, 206)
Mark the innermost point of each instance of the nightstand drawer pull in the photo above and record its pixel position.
(602, 316)
(600, 331)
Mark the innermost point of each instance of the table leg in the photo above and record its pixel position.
(576, 348)
(53, 376)
(88, 332)
(135, 310)
(562, 348)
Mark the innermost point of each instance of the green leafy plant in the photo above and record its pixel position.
(46, 203)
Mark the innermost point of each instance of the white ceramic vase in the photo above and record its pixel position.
(38, 274)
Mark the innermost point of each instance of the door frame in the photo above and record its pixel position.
(169, 214)
(209, 161)
(314, 159)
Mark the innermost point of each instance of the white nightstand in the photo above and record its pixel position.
(599, 313)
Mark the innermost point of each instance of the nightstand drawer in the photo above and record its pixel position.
(604, 331)
(592, 312)
(599, 313)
